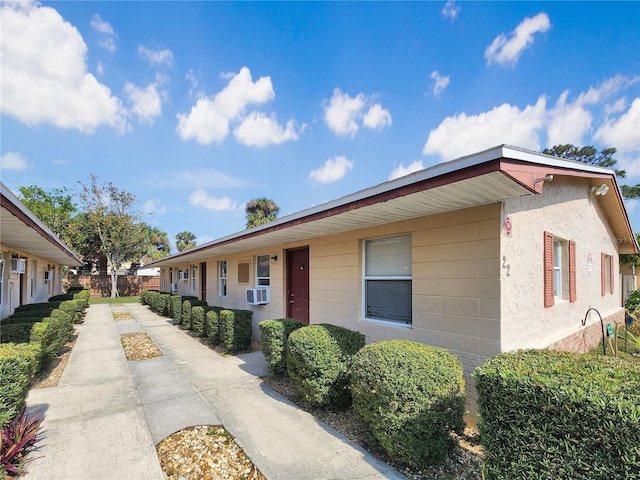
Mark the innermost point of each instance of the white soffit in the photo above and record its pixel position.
(480, 190)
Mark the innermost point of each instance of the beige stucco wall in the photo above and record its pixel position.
(41, 290)
(568, 210)
(455, 282)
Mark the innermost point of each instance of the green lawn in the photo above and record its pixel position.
(112, 301)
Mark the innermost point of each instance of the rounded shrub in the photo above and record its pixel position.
(274, 335)
(318, 361)
(212, 325)
(410, 396)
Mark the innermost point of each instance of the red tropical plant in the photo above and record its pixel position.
(16, 438)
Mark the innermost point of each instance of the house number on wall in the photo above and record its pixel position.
(506, 266)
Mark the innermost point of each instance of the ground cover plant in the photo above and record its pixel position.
(15, 440)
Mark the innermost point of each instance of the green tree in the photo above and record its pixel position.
(111, 215)
(185, 241)
(260, 211)
(55, 208)
(592, 156)
(631, 259)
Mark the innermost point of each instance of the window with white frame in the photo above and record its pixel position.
(222, 278)
(193, 278)
(559, 270)
(388, 279)
(32, 278)
(263, 274)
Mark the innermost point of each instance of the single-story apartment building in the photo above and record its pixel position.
(31, 256)
(496, 251)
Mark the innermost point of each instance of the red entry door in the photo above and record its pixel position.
(203, 281)
(298, 284)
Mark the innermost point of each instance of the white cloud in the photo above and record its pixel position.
(441, 82)
(13, 161)
(156, 57)
(100, 68)
(333, 169)
(401, 171)
(209, 118)
(60, 162)
(154, 207)
(569, 122)
(193, 80)
(44, 73)
(462, 134)
(195, 179)
(623, 133)
(101, 26)
(146, 103)
(258, 130)
(200, 198)
(377, 117)
(507, 50)
(343, 113)
(450, 10)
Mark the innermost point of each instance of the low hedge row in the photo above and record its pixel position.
(230, 327)
(18, 364)
(29, 340)
(559, 415)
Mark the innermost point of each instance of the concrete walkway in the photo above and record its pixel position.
(106, 415)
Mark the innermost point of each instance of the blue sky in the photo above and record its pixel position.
(198, 107)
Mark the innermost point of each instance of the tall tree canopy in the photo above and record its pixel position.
(185, 241)
(592, 156)
(260, 211)
(111, 214)
(55, 208)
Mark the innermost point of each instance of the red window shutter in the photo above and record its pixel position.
(603, 273)
(612, 276)
(548, 269)
(572, 272)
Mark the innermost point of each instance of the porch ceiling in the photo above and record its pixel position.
(19, 229)
(480, 190)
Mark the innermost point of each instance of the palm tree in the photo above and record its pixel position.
(260, 211)
(185, 241)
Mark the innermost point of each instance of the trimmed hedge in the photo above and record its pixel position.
(18, 363)
(410, 396)
(235, 329)
(559, 415)
(175, 308)
(197, 320)
(185, 323)
(318, 360)
(212, 325)
(274, 335)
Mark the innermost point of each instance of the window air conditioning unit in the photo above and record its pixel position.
(258, 296)
(48, 275)
(18, 265)
(174, 287)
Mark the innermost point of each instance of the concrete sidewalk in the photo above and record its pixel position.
(106, 415)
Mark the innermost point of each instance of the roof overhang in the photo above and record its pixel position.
(491, 176)
(22, 230)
